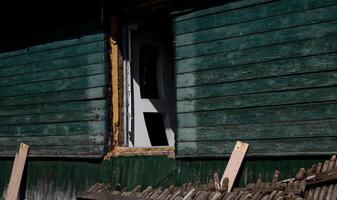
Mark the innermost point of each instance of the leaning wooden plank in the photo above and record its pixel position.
(17, 171)
(234, 164)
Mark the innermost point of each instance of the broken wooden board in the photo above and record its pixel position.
(324, 177)
(234, 164)
(105, 196)
(17, 171)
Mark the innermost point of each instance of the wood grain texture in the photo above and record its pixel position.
(259, 100)
(297, 112)
(61, 63)
(302, 65)
(94, 151)
(259, 71)
(218, 9)
(54, 86)
(265, 54)
(256, 131)
(245, 14)
(73, 72)
(53, 108)
(85, 139)
(280, 147)
(37, 57)
(277, 22)
(54, 97)
(51, 97)
(282, 83)
(258, 40)
(56, 129)
(88, 115)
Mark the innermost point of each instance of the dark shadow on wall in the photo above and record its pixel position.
(187, 6)
(32, 23)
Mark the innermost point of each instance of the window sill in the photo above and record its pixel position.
(142, 151)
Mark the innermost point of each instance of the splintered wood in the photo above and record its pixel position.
(17, 171)
(316, 183)
(321, 180)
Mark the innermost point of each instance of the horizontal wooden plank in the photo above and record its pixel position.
(56, 129)
(73, 72)
(55, 45)
(91, 115)
(57, 151)
(258, 55)
(54, 86)
(283, 67)
(54, 108)
(217, 9)
(37, 57)
(291, 146)
(259, 100)
(272, 131)
(86, 139)
(248, 14)
(301, 112)
(258, 40)
(67, 62)
(266, 77)
(263, 25)
(62, 96)
(52, 97)
(319, 79)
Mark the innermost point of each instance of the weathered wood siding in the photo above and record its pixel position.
(53, 97)
(261, 71)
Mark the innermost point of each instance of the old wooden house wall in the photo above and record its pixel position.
(61, 179)
(262, 71)
(53, 96)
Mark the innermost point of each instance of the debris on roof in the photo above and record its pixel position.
(317, 182)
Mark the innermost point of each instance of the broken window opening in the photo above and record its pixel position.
(148, 74)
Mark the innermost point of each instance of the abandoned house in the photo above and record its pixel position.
(157, 92)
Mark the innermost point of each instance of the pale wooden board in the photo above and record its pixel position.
(17, 171)
(234, 163)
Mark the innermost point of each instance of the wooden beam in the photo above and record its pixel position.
(17, 171)
(234, 164)
(116, 86)
(143, 151)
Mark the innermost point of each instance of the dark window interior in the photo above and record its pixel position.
(148, 57)
(156, 129)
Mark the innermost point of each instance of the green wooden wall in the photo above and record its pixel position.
(53, 97)
(261, 71)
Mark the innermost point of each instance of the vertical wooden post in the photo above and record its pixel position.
(234, 164)
(116, 86)
(17, 171)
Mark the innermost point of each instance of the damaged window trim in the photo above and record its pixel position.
(119, 124)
